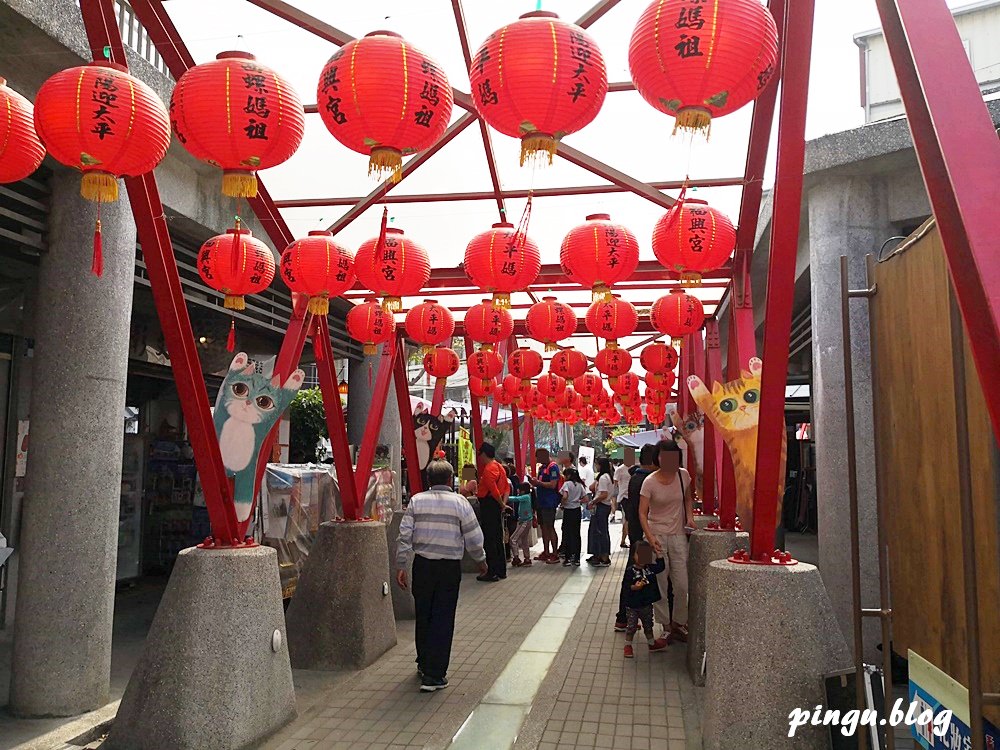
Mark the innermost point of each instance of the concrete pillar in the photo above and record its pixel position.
(69, 525)
(847, 216)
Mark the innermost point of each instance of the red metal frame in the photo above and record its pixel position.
(380, 393)
(413, 473)
(713, 440)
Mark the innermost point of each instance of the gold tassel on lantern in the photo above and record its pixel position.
(694, 120)
(99, 187)
(501, 299)
(536, 144)
(551, 346)
(239, 184)
(676, 342)
(318, 305)
(601, 292)
(392, 304)
(690, 279)
(234, 302)
(370, 350)
(386, 161)
(611, 344)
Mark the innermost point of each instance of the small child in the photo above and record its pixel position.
(522, 534)
(640, 592)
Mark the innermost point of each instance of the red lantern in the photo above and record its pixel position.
(514, 386)
(381, 96)
(550, 321)
(484, 364)
(239, 115)
(589, 386)
(394, 268)
(659, 381)
(502, 260)
(626, 385)
(612, 319)
(709, 62)
(542, 413)
(319, 267)
(613, 363)
(551, 385)
(538, 79)
(677, 315)
(20, 150)
(599, 254)
(429, 324)
(441, 363)
(370, 324)
(634, 416)
(236, 264)
(573, 399)
(658, 357)
(569, 364)
(657, 397)
(525, 363)
(503, 396)
(611, 415)
(488, 324)
(482, 387)
(656, 415)
(693, 238)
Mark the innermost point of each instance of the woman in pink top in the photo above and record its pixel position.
(666, 506)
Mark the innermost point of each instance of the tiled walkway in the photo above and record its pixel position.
(588, 695)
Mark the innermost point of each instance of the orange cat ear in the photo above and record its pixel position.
(716, 388)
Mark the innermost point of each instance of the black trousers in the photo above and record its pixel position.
(599, 536)
(634, 535)
(435, 596)
(571, 532)
(491, 520)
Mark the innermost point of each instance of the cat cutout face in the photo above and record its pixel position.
(429, 431)
(733, 407)
(249, 397)
(689, 425)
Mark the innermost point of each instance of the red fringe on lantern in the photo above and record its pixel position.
(231, 339)
(97, 263)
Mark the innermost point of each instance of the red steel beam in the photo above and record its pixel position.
(380, 394)
(713, 439)
(591, 16)
(629, 183)
(475, 417)
(956, 147)
(781, 274)
(552, 273)
(413, 473)
(515, 426)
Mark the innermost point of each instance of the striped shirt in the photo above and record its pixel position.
(439, 525)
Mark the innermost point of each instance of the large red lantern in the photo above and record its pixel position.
(653, 396)
(550, 321)
(236, 264)
(538, 79)
(598, 254)
(693, 238)
(441, 363)
(612, 319)
(659, 381)
(514, 386)
(589, 386)
(380, 95)
(370, 324)
(626, 386)
(484, 364)
(569, 364)
(613, 363)
(696, 60)
(656, 415)
(392, 266)
(525, 363)
(482, 387)
(21, 152)
(488, 324)
(504, 396)
(658, 357)
(677, 315)
(550, 385)
(429, 324)
(502, 260)
(319, 267)
(238, 115)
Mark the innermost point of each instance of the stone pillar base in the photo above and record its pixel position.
(403, 607)
(341, 615)
(771, 636)
(706, 547)
(701, 520)
(215, 671)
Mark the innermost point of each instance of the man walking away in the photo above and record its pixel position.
(438, 526)
(630, 508)
(494, 488)
(547, 491)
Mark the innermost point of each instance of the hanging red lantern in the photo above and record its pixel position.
(693, 238)
(236, 264)
(550, 321)
(573, 399)
(656, 415)
(370, 324)
(318, 267)
(514, 386)
(659, 381)
(697, 61)
(611, 415)
(488, 324)
(658, 357)
(626, 385)
(392, 266)
(502, 260)
(238, 115)
(504, 396)
(613, 363)
(612, 319)
(634, 416)
(21, 152)
(589, 386)
(657, 396)
(100, 120)
(550, 385)
(598, 254)
(542, 413)
(429, 324)
(441, 363)
(482, 387)
(484, 364)
(538, 79)
(569, 364)
(677, 315)
(380, 95)
(525, 363)
(603, 398)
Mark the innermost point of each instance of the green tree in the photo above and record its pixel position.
(308, 426)
(610, 444)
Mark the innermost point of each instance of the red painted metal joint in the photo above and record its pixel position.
(212, 543)
(777, 557)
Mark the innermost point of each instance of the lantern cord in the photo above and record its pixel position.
(231, 339)
(521, 233)
(384, 226)
(97, 262)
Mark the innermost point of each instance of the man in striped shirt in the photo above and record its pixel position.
(439, 525)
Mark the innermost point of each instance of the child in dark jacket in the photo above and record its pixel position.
(640, 592)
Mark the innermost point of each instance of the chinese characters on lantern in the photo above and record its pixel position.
(330, 85)
(257, 109)
(104, 97)
(690, 18)
(580, 51)
(697, 229)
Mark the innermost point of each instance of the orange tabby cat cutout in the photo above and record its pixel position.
(734, 408)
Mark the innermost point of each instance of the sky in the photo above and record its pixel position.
(628, 134)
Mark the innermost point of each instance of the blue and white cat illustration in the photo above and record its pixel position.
(248, 406)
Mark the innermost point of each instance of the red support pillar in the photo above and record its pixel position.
(713, 440)
(366, 455)
(495, 411)
(781, 274)
(475, 416)
(413, 473)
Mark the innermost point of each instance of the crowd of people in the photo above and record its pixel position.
(492, 518)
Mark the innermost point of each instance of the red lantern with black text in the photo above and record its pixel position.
(658, 357)
(392, 266)
(677, 315)
(514, 386)
(550, 385)
(21, 152)
(612, 319)
(525, 363)
(236, 264)
(484, 364)
(627, 385)
(371, 324)
(381, 96)
(697, 60)
(659, 381)
(598, 254)
(653, 396)
(502, 260)
(569, 364)
(613, 363)
(538, 79)
(488, 324)
(318, 267)
(441, 363)
(693, 238)
(589, 386)
(550, 321)
(482, 387)
(503, 395)
(656, 415)
(430, 324)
